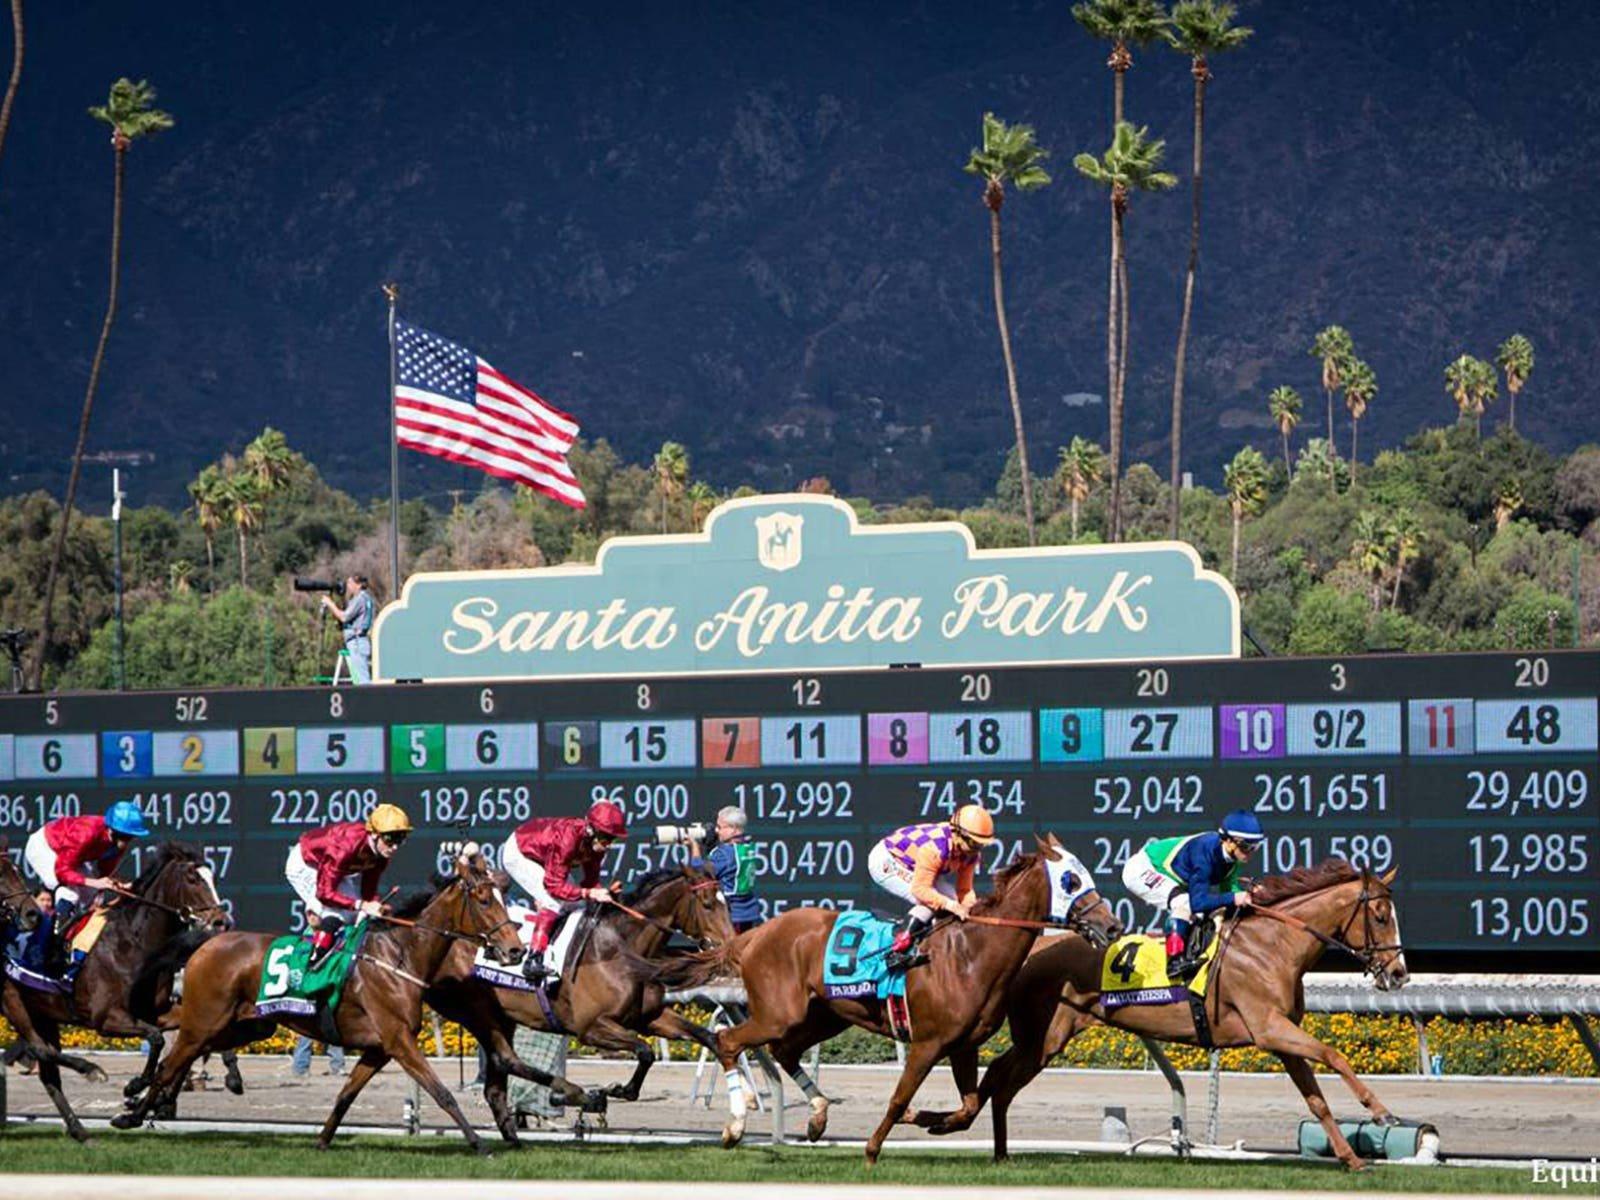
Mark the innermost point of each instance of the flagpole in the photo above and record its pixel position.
(392, 292)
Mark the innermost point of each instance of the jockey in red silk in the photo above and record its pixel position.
(337, 869)
(76, 854)
(543, 855)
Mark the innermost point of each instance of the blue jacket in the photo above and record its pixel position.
(1210, 875)
(724, 859)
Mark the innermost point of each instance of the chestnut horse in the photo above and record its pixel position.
(1254, 997)
(379, 1013)
(174, 892)
(608, 997)
(956, 1002)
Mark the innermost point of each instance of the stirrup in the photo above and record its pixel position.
(534, 968)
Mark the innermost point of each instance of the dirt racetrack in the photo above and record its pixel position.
(1478, 1117)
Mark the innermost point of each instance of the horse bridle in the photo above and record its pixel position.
(454, 935)
(669, 930)
(1367, 955)
(13, 911)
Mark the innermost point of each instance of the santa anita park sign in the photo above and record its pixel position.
(782, 583)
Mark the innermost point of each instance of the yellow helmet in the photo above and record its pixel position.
(975, 823)
(387, 818)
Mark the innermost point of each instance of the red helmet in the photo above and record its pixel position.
(606, 819)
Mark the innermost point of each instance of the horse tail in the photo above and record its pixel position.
(697, 970)
(159, 969)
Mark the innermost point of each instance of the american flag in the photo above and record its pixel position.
(450, 403)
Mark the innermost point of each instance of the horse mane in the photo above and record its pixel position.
(1272, 889)
(165, 854)
(647, 884)
(1007, 876)
(410, 903)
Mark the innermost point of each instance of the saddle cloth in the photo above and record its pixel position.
(485, 967)
(1134, 971)
(853, 962)
(290, 985)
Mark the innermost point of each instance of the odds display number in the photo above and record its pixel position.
(269, 750)
(571, 745)
(125, 755)
(730, 742)
(416, 749)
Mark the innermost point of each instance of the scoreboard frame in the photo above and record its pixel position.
(1458, 755)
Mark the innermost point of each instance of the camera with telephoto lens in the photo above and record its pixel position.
(302, 584)
(679, 835)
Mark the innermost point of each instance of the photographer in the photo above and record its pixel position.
(356, 618)
(734, 861)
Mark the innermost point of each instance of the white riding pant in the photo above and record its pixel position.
(42, 859)
(1140, 877)
(894, 877)
(302, 877)
(527, 875)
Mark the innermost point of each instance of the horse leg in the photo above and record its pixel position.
(186, 1048)
(1282, 1035)
(606, 1034)
(404, 1050)
(819, 1026)
(1305, 1079)
(920, 1059)
(371, 1062)
(750, 1033)
(14, 1006)
(964, 1066)
(234, 1081)
(50, 1077)
(494, 1095)
(139, 1082)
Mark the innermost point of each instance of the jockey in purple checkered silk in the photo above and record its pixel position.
(932, 866)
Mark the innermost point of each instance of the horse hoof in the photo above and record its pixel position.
(125, 1120)
(732, 1134)
(750, 1102)
(234, 1084)
(1388, 1120)
(593, 1102)
(95, 1074)
(818, 1124)
(135, 1085)
(1356, 1165)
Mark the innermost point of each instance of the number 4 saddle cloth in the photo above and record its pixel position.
(1134, 971)
(290, 985)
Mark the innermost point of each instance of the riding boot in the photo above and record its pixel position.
(59, 955)
(903, 954)
(1180, 957)
(323, 940)
(533, 966)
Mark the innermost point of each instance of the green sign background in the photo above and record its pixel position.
(785, 583)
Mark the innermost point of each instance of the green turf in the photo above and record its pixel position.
(434, 1157)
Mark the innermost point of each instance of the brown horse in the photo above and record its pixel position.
(608, 998)
(955, 1003)
(18, 908)
(380, 1011)
(174, 891)
(1254, 997)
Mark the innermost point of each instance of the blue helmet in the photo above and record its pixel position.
(1242, 826)
(125, 817)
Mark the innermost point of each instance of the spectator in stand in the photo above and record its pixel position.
(734, 861)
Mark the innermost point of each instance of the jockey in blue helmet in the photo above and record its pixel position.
(1190, 877)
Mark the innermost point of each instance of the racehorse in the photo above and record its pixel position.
(379, 1012)
(956, 1002)
(174, 891)
(608, 997)
(1254, 996)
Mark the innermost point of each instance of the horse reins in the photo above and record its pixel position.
(1366, 955)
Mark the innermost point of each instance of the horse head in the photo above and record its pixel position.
(1377, 934)
(1347, 907)
(1075, 901)
(702, 911)
(17, 905)
(473, 903)
(180, 878)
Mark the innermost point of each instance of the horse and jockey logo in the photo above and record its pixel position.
(778, 540)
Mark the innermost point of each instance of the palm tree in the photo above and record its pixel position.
(1129, 165)
(1335, 348)
(1405, 534)
(1458, 384)
(180, 576)
(702, 499)
(244, 501)
(270, 461)
(1245, 481)
(129, 113)
(1284, 404)
(1082, 464)
(1200, 29)
(1009, 155)
(1486, 387)
(209, 502)
(16, 71)
(1515, 357)
(1374, 549)
(1360, 387)
(672, 473)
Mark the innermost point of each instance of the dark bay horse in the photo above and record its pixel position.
(956, 1002)
(18, 909)
(1254, 998)
(609, 997)
(379, 1012)
(174, 892)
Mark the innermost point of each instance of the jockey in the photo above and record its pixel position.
(933, 867)
(67, 847)
(1193, 876)
(339, 866)
(541, 856)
